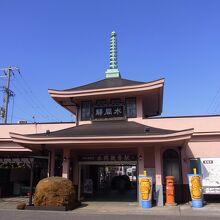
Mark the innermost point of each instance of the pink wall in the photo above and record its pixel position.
(6, 145)
(149, 157)
(203, 149)
(199, 146)
(207, 145)
(200, 124)
(31, 128)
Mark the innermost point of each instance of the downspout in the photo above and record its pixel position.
(181, 173)
(77, 115)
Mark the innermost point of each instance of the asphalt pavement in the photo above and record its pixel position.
(43, 215)
(108, 211)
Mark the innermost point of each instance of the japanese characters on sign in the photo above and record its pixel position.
(106, 157)
(210, 168)
(108, 112)
(211, 190)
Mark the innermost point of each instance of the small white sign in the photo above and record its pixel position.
(210, 168)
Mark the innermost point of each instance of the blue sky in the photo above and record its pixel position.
(63, 44)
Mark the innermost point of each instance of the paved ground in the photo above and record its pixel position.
(109, 210)
(133, 209)
(11, 203)
(33, 215)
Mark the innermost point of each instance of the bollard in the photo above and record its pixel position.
(170, 191)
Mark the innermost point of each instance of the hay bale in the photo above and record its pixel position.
(54, 191)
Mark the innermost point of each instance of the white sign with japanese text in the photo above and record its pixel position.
(210, 168)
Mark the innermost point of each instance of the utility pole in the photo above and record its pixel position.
(8, 93)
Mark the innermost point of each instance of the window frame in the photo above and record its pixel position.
(90, 111)
(114, 99)
(101, 100)
(126, 107)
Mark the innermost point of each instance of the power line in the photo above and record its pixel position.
(37, 99)
(21, 111)
(27, 94)
(28, 100)
(217, 108)
(214, 103)
(8, 71)
(34, 98)
(18, 117)
(31, 103)
(12, 112)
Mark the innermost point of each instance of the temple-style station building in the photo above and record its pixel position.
(117, 135)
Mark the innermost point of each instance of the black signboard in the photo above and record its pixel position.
(101, 112)
(107, 157)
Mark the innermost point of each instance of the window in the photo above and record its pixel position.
(116, 101)
(195, 163)
(131, 109)
(101, 102)
(86, 110)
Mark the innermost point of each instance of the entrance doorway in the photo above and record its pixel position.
(108, 182)
(172, 167)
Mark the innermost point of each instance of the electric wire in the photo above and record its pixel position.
(217, 108)
(28, 101)
(21, 110)
(2, 90)
(28, 96)
(214, 103)
(12, 110)
(18, 117)
(35, 104)
(34, 108)
(36, 99)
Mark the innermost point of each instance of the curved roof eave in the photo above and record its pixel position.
(179, 135)
(122, 89)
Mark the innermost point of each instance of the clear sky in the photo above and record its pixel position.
(62, 44)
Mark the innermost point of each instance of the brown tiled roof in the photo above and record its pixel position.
(110, 128)
(107, 83)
